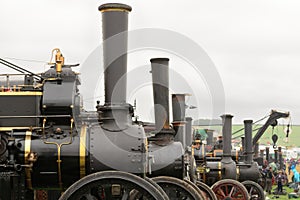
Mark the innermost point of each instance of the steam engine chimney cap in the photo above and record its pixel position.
(114, 7)
(159, 59)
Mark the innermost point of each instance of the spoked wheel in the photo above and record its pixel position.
(254, 190)
(196, 188)
(177, 189)
(134, 195)
(207, 192)
(113, 185)
(228, 189)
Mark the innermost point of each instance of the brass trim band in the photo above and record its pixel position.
(26, 93)
(82, 151)
(114, 9)
(220, 171)
(16, 128)
(26, 153)
(237, 172)
(179, 123)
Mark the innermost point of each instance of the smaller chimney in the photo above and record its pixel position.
(227, 134)
(276, 156)
(160, 81)
(248, 141)
(267, 154)
(179, 124)
(280, 158)
(189, 131)
(262, 152)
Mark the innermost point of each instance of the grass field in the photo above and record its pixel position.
(281, 197)
(293, 139)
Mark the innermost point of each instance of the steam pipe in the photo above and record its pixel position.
(160, 81)
(256, 149)
(262, 151)
(243, 149)
(243, 143)
(115, 37)
(227, 134)
(210, 137)
(276, 156)
(248, 141)
(280, 158)
(189, 132)
(179, 124)
(267, 154)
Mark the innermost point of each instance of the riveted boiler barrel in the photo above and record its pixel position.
(160, 80)
(115, 37)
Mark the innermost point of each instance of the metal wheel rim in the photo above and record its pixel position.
(209, 193)
(228, 189)
(196, 188)
(255, 191)
(84, 188)
(178, 188)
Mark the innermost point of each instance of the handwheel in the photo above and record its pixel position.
(254, 190)
(207, 192)
(113, 185)
(228, 189)
(177, 189)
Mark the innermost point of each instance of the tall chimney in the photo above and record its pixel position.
(115, 38)
(226, 131)
(179, 124)
(228, 165)
(248, 141)
(160, 81)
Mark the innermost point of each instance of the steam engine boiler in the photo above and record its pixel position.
(51, 148)
(48, 142)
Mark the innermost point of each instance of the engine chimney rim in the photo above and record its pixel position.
(114, 7)
(159, 59)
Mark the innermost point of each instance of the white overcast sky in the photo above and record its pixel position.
(254, 44)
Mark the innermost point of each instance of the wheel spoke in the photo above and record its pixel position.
(231, 191)
(125, 195)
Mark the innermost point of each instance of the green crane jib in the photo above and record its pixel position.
(271, 120)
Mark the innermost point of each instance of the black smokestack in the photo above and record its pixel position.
(178, 107)
(248, 141)
(115, 37)
(226, 131)
(189, 132)
(160, 80)
(276, 156)
(280, 158)
(267, 154)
